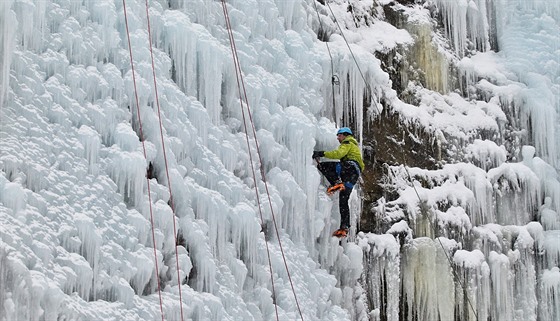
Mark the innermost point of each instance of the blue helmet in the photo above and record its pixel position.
(345, 131)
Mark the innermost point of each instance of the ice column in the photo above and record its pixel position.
(92, 143)
(465, 20)
(427, 280)
(381, 274)
(8, 25)
(472, 298)
(550, 294)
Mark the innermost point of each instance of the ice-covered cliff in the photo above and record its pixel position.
(186, 190)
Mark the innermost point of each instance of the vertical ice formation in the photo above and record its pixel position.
(516, 190)
(549, 178)
(519, 34)
(476, 285)
(426, 269)
(503, 256)
(381, 276)
(8, 22)
(91, 142)
(423, 61)
(550, 290)
(466, 25)
(503, 263)
(522, 33)
(501, 286)
(76, 233)
(514, 182)
(486, 154)
(548, 216)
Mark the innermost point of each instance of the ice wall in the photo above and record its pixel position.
(93, 228)
(526, 34)
(471, 39)
(8, 24)
(497, 215)
(97, 224)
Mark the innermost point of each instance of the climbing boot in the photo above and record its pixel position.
(335, 188)
(341, 232)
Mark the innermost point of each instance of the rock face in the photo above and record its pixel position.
(464, 206)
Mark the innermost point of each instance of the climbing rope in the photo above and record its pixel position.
(165, 160)
(334, 78)
(145, 157)
(350, 49)
(237, 72)
(368, 87)
(455, 274)
(241, 85)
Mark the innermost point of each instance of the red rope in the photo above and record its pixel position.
(145, 157)
(165, 160)
(238, 72)
(240, 80)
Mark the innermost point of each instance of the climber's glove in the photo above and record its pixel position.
(318, 153)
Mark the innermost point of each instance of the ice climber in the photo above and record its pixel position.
(342, 175)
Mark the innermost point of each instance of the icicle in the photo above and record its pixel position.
(245, 232)
(9, 24)
(466, 20)
(105, 117)
(203, 262)
(551, 246)
(486, 154)
(89, 237)
(128, 170)
(74, 274)
(298, 135)
(13, 196)
(454, 222)
(214, 210)
(516, 188)
(381, 276)
(549, 219)
(531, 27)
(425, 274)
(90, 140)
(198, 61)
(105, 15)
(34, 14)
(550, 294)
(478, 28)
(88, 81)
(502, 287)
(126, 138)
(522, 261)
(550, 182)
(472, 301)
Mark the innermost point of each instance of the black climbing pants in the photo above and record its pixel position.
(348, 172)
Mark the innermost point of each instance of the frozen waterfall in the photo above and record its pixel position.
(93, 228)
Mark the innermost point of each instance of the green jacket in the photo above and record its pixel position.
(347, 151)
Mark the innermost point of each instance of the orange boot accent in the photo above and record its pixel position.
(335, 188)
(341, 232)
